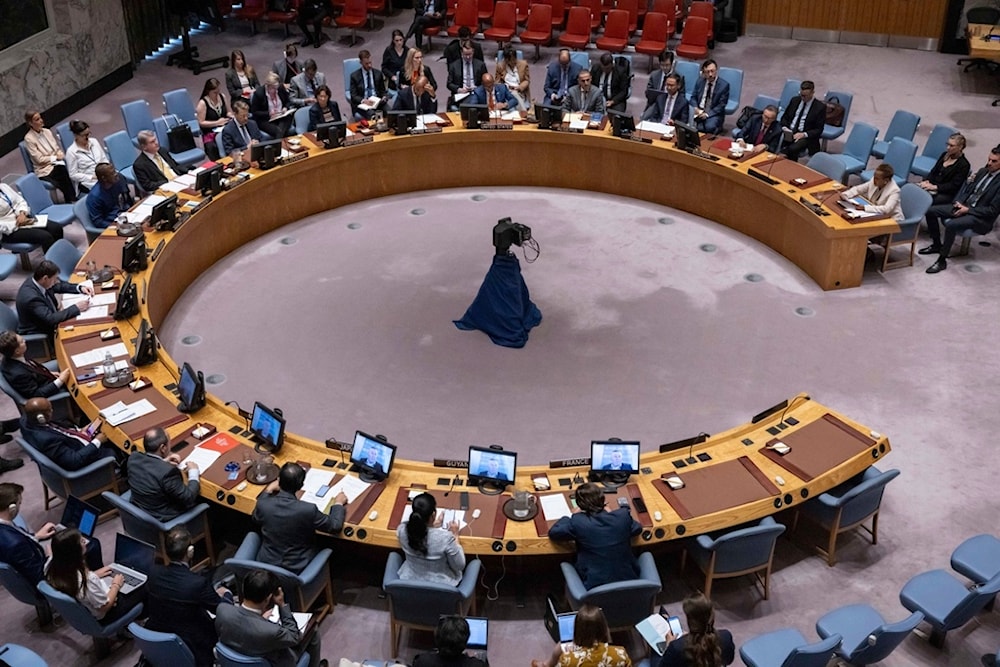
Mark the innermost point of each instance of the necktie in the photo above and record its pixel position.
(491, 101)
(760, 135)
(707, 102)
(244, 133)
(663, 82)
(563, 79)
(468, 74)
(369, 89)
(40, 369)
(800, 116)
(668, 109)
(71, 433)
(10, 204)
(165, 168)
(978, 192)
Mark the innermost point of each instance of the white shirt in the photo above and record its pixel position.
(81, 162)
(11, 203)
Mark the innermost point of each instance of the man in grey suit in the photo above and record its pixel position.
(303, 86)
(584, 97)
(155, 479)
(288, 525)
(244, 629)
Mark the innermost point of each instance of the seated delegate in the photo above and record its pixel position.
(241, 132)
(109, 198)
(881, 194)
(47, 159)
(304, 85)
(18, 226)
(37, 310)
(28, 377)
(154, 166)
(367, 83)
(269, 106)
(324, 110)
(432, 552)
(83, 156)
(591, 645)
(451, 637)
(702, 645)
(68, 447)
(949, 172)
(155, 478)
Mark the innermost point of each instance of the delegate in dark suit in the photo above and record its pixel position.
(158, 487)
(456, 75)
(614, 86)
(680, 111)
(288, 528)
(752, 132)
(29, 378)
(501, 95)
(590, 101)
(251, 634)
(232, 136)
(20, 550)
(316, 114)
(261, 112)
(149, 175)
(179, 601)
(405, 101)
(976, 207)
(603, 552)
(656, 85)
(426, 13)
(810, 122)
(358, 89)
(714, 108)
(66, 450)
(37, 309)
(559, 78)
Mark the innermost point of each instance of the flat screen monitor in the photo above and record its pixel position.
(686, 137)
(265, 153)
(79, 514)
(134, 254)
(164, 214)
(548, 117)
(371, 457)
(146, 345)
(209, 181)
(475, 115)
(127, 304)
(491, 469)
(267, 427)
(622, 124)
(191, 389)
(332, 135)
(479, 632)
(615, 456)
(402, 121)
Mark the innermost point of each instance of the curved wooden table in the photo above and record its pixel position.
(829, 249)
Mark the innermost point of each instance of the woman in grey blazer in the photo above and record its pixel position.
(432, 552)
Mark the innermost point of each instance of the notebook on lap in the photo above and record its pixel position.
(133, 560)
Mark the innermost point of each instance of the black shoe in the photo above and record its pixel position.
(10, 425)
(930, 250)
(306, 42)
(938, 266)
(9, 464)
(4, 439)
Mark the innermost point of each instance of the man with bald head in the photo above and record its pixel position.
(156, 481)
(494, 95)
(68, 447)
(416, 98)
(109, 198)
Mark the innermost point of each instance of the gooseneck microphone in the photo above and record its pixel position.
(454, 481)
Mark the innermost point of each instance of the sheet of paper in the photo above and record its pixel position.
(316, 478)
(301, 617)
(554, 506)
(120, 365)
(187, 180)
(656, 128)
(40, 221)
(92, 313)
(511, 114)
(351, 486)
(578, 124)
(201, 457)
(138, 214)
(152, 200)
(121, 412)
(96, 356)
(429, 119)
(104, 299)
(460, 96)
(173, 186)
(370, 103)
(453, 515)
(407, 511)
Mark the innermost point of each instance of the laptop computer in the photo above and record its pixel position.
(133, 560)
(478, 633)
(79, 514)
(559, 624)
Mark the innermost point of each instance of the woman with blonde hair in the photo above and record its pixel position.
(413, 69)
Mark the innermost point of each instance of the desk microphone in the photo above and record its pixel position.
(777, 153)
(790, 404)
(452, 485)
(242, 413)
(577, 479)
(696, 440)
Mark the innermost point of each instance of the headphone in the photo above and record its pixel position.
(40, 418)
(12, 510)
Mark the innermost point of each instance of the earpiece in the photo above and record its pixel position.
(40, 418)
(12, 510)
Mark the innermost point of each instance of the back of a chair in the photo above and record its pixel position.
(505, 15)
(539, 18)
(903, 124)
(26, 157)
(137, 117)
(161, 649)
(705, 10)
(865, 499)
(8, 318)
(178, 102)
(34, 193)
(877, 646)
(827, 165)
(734, 77)
(19, 587)
(983, 14)
(860, 141)
(975, 600)
(695, 32)
(65, 255)
(582, 59)
(351, 65)
(655, 28)
(75, 613)
(690, 71)
(52, 475)
(915, 201)
(82, 214)
(624, 603)
(19, 656)
(817, 654)
(578, 22)
(121, 150)
(900, 155)
(746, 548)
(228, 657)
(467, 13)
(136, 522)
(301, 120)
(421, 602)
(64, 134)
(791, 89)
(937, 141)
(14, 394)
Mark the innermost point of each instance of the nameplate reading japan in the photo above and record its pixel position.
(449, 463)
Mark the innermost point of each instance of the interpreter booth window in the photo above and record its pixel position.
(21, 20)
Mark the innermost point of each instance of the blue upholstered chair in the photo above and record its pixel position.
(788, 648)
(178, 102)
(39, 201)
(580, 58)
(29, 166)
(977, 558)
(848, 506)
(734, 77)
(300, 121)
(900, 155)
(64, 134)
(19, 656)
(858, 148)
(142, 525)
(122, 153)
(419, 604)
(914, 201)
(301, 590)
(867, 637)
(188, 158)
(83, 215)
(351, 65)
(835, 131)
(946, 602)
(137, 117)
(625, 603)
(936, 143)
(161, 649)
(85, 483)
(747, 550)
(903, 126)
(690, 71)
(62, 406)
(24, 591)
(66, 256)
(828, 165)
(227, 657)
(80, 618)
(790, 90)
(8, 263)
(38, 343)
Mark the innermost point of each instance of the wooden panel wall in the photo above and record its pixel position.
(912, 18)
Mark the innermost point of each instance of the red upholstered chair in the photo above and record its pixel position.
(538, 30)
(429, 32)
(705, 10)
(374, 7)
(596, 15)
(632, 7)
(558, 13)
(449, 13)
(694, 39)
(615, 37)
(607, 6)
(504, 22)
(253, 11)
(466, 14)
(522, 11)
(577, 34)
(669, 8)
(284, 18)
(654, 36)
(485, 13)
(355, 16)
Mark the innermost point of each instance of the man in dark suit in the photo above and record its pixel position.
(763, 130)
(603, 550)
(453, 51)
(669, 106)
(68, 447)
(804, 120)
(416, 98)
(559, 77)
(243, 627)
(657, 83)
(241, 131)
(313, 11)
(976, 207)
(501, 95)
(268, 106)
(366, 82)
(426, 13)
(304, 85)
(155, 479)
(711, 94)
(584, 97)
(28, 377)
(180, 601)
(612, 79)
(464, 75)
(288, 525)
(37, 309)
(154, 166)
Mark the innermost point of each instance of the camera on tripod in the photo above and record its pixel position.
(507, 233)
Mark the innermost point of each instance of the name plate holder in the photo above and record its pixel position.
(569, 463)
(451, 463)
(498, 125)
(426, 130)
(358, 139)
(292, 157)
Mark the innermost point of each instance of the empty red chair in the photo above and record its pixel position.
(654, 36)
(429, 32)
(284, 18)
(577, 34)
(253, 11)
(668, 7)
(485, 12)
(607, 6)
(467, 14)
(504, 22)
(694, 39)
(595, 13)
(355, 16)
(705, 10)
(374, 7)
(522, 11)
(449, 13)
(632, 7)
(558, 13)
(538, 30)
(615, 37)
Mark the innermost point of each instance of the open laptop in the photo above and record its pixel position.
(133, 560)
(79, 514)
(478, 633)
(559, 624)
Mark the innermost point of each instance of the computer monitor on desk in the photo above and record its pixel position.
(266, 153)
(267, 428)
(613, 461)
(332, 135)
(622, 123)
(134, 254)
(209, 181)
(402, 121)
(491, 469)
(474, 115)
(547, 116)
(686, 137)
(164, 214)
(191, 389)
(371, 457)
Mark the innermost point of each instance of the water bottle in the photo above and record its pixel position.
(110, 372)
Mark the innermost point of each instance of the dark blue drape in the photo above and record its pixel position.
(502, 309)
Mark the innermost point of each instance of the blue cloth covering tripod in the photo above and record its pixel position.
(503, 309)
